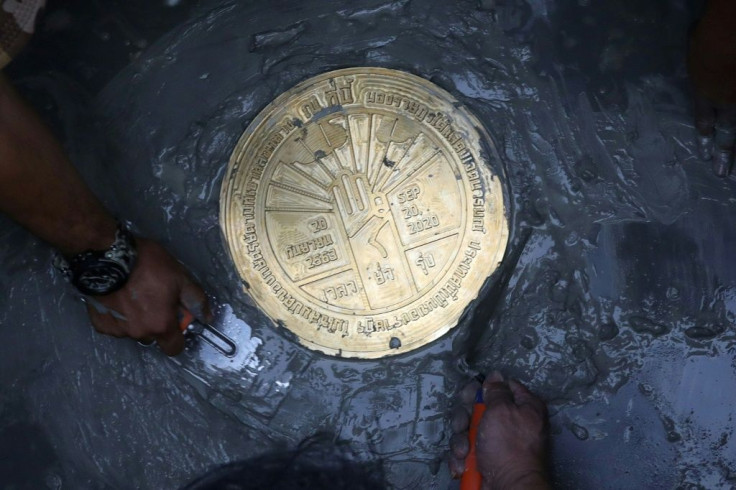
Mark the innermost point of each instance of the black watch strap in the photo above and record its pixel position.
(101, 272)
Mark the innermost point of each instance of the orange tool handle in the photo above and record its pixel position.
(471, 479)
(185, 318)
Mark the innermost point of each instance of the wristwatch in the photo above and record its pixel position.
(101, 272)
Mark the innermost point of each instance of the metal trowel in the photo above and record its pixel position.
(480, 330)
(193, 327)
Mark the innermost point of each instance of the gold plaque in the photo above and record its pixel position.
(360, 211)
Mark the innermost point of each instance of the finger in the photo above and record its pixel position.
(705, 115)
(722, 161)
(705, 121)
(459, 445)
(193, 298)
(104, 322)
(457, 466)
(522, 396)
(705, 147)
(459, 420)
(496, 391)
(170, 338)
(468, 393)
(726, 125)
(172, 343)
(725, 137)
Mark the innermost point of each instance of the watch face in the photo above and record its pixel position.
(101, 277)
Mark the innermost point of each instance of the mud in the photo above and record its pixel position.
(619, 312)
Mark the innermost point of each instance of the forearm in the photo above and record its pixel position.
(40, 188)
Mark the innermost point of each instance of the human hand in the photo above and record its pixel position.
(147, 307)
(712, 69)
(716, 128)
(511, 444)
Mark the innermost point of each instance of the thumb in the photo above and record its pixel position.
(192, 297)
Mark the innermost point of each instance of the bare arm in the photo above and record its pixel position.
(41, 190)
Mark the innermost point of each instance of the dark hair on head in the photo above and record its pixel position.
(318, 463)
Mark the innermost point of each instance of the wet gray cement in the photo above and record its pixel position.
(620, 312)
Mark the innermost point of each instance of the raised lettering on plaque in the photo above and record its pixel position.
(361, 211)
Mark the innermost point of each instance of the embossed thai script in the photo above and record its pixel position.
(308, 246)
(340, 291)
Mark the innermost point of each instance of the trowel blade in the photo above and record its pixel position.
(486, 312)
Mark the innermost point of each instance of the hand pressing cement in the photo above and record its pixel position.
(512, 437)
(146, 309)
(41, 190)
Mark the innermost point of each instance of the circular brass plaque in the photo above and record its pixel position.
(360, 212)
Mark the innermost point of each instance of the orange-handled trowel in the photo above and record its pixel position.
(477, 340)
(471, 478)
